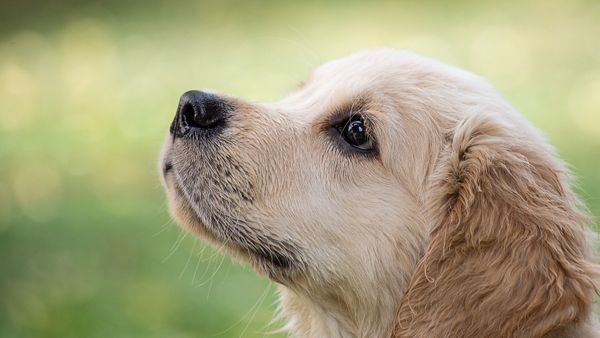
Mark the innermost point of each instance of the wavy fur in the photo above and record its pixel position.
(508, 255)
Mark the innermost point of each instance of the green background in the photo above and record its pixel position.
(87, 91)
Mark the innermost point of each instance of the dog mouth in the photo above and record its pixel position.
(167, 167)
(276, 257)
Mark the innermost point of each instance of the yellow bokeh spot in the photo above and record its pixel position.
(37, 190)
(584, 105)
(87, 55)
(496, 50)
(17, 96)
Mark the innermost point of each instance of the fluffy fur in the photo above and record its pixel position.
(462, 223)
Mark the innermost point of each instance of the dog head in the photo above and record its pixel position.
(307, 187)
(382, 177)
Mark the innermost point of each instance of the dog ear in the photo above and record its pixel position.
(507, 255)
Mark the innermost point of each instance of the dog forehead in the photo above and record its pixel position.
(340, 82)
(371, 63)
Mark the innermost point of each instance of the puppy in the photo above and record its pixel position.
(389, 195)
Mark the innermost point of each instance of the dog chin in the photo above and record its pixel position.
(276, 266)
(184, 213)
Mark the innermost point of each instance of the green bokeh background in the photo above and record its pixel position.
(87, 91)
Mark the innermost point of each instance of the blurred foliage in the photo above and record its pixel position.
(87, 91)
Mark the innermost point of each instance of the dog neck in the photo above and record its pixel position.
(361, 303)
(328, 316)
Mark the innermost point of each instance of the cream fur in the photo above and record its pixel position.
(462, 192)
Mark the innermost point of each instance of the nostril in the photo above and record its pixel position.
(209, 114)
(199, 110)
(200, 116)
(187, 115)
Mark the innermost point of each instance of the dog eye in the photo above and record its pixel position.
(355, 133)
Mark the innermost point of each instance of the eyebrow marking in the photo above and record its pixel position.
(347, 111)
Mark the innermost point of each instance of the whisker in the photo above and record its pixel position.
(198, 261)
(176, 245)
(166, 226)
(259, 301)
(189, 258)
(213, 274)
(257, 307)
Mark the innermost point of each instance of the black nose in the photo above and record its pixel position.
(198, 110)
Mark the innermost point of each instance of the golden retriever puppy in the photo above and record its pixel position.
(389, 195)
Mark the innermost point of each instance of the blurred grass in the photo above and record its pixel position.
(87, 91)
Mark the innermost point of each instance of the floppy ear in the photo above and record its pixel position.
(507, 255)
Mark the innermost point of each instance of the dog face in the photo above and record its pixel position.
(383, 172)
(323, 185)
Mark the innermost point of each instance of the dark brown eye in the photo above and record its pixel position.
(355, 133)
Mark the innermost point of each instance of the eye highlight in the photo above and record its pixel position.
(355, 134)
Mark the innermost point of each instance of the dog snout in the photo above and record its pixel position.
(199, 110)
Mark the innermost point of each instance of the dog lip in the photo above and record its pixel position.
(167, 167)
(276, 258)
